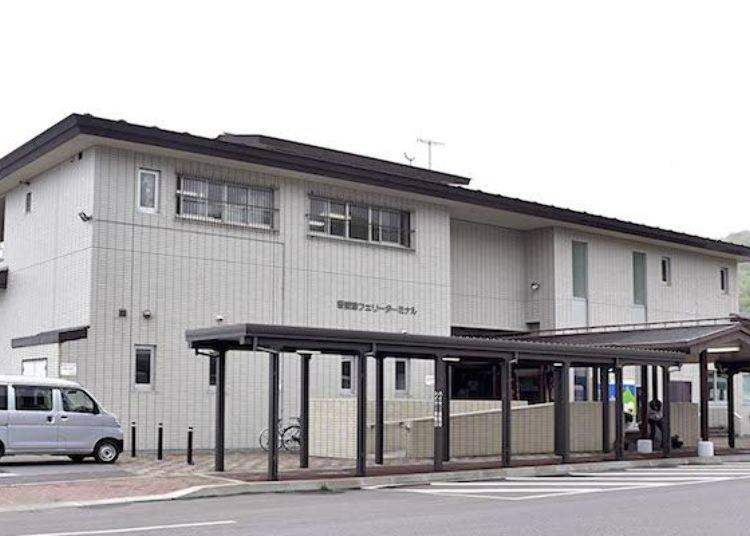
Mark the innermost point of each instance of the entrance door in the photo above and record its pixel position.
(32, 427)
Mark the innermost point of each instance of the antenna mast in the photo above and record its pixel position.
(430, 144)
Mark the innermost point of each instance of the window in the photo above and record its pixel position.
(148, 190)
(212, 370)
(724, 280)
(223, 202)
(580, 270)
(666, 270)
(717, 387)
(639, 278)
(346, 374)
(28, 202)
(358, 221)
(400, 379)
(3, 397)
(32, 398)
(77, 401)
(144, 362)
(745, 388)
(36, 367)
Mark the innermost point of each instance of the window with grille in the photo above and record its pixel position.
(224, 202)
(358, 221)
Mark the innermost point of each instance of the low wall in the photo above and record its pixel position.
(475, 427)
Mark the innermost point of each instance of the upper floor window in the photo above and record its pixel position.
(148, 190)
(2, 228)
(28, 203)
(666, 270)
(724, 280)
(400, 379)
(359, 221)
(639, 278)
(144, 365)
(580, 269)
(224, 202)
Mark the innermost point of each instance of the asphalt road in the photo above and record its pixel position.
(689, 508)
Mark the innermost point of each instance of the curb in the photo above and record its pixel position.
(393, 481)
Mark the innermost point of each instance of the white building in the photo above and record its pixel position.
(117, 238)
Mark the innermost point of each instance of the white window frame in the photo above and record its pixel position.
(157, 188)
(644, 256)
(352, 376)
(152, 366)
(36, 360)
(405, 390)
(724, 279)
(666, 262)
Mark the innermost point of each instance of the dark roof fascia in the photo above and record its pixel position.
(123, 131)
(257, 337)
(55, 336)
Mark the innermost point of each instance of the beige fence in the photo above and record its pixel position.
(475, 427)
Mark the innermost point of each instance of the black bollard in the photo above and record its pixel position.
(132, 439)
(160, 443)
(190, 446)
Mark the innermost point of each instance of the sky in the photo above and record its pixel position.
(634, 110)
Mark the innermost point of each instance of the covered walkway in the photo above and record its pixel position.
(274, 340)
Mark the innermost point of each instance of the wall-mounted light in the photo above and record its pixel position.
(535, 285)
(452, 359)
(723, 350)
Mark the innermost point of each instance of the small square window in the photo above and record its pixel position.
(148, 190)
(144, 364)
(666, 270)
(347, 366)
(28, 203)
(724, 280)
(400, 376)
(212, 371)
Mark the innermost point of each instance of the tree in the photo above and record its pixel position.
(743, 237)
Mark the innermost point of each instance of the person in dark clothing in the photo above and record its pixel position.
(656, 420)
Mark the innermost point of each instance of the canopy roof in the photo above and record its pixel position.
(260, 337)
(727, 343)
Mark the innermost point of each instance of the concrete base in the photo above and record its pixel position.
(645, 446)
(705, 449)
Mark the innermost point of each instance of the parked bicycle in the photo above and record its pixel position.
(289, 436)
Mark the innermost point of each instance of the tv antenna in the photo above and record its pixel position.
(430, 144)
(409, 158)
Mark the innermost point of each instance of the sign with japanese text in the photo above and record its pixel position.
(376, 307)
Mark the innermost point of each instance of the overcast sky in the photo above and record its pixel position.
(636, 110)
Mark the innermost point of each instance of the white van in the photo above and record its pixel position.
(49, 416)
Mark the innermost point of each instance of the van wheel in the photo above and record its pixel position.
(106, 452)
(77, 458)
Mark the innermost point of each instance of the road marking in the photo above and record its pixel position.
(579, 483)
(135, 529)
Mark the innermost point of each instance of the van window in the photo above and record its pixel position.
(77, 401)
(3, 397)
(33, 398)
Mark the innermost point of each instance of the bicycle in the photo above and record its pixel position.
(289, 436)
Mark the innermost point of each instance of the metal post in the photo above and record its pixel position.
(220, 411)
(132, 439)
(437, 410)
(565, 413)
(654, 382)
(557, 380)
(730, 410)
(160, 442)
(703, 365)
(505, 378)
(644, 400)
(666, 414)
(619, 415)
(604, 386)
(379, 409)
(596, 392)
(304, 413)
(273, 416)
(361, 414)
(190, 446)
(447, 414)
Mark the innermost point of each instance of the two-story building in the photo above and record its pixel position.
(117, 238)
